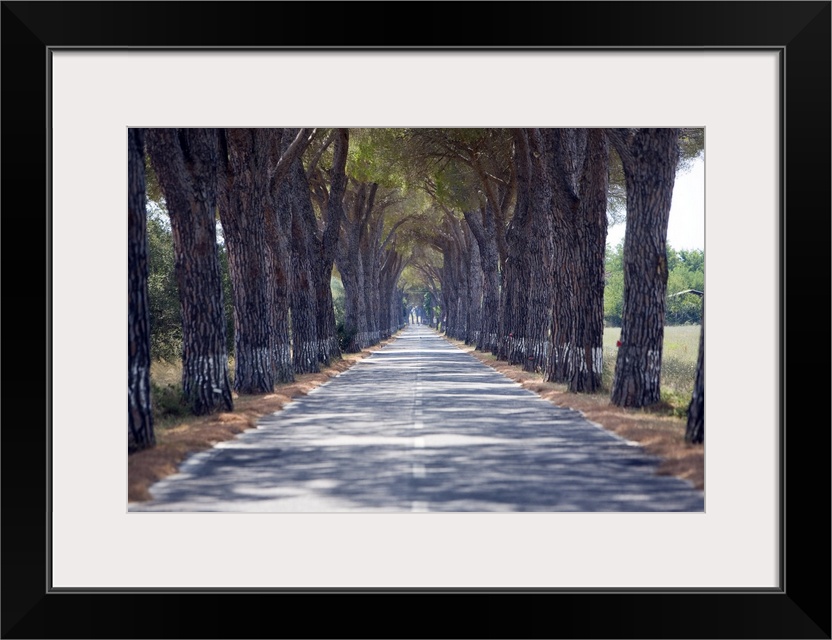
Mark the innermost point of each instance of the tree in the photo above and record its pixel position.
(472, 171)
(325, 238)
(302, 298)
(243, 181)
(580, 227)
(140, 434)
(649, 158)
(695, 429)
(350, 264)
(162, 292)
(277, 255)
(185, 162)
(535, 212)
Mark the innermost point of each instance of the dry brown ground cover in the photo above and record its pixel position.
(660, 435)
(193, 434)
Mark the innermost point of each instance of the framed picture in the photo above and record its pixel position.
(756, 75)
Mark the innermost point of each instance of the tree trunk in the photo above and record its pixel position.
(325, 247)
(305, 346)
(649, 158)
(534, 179)
(281, 345)
(695, 431)
(514, 307)
(369, 246)
(329, 241)
(185, 161)
(351, 265)
(586, 368)
(482, 225)
(474, 291)
(140, 433)
(243, 182)
(565, 148)
(279, 270)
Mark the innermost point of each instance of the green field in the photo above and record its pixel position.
(679, 353)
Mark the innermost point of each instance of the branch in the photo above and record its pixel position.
(393, 230)
(315, 160)
(294, 150)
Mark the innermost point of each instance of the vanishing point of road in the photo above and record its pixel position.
(422, 426)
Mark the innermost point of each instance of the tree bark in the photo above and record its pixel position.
(649, 158)
(185, 161)
(325, 245)
(535, 179)
(243, 181)
(302, 298)
(277, 260)
(140, 434)
(475, 283)
(483, 227)
(350, 264)
(579, 191)
(369, 247)
(514, 306)
(695, 431)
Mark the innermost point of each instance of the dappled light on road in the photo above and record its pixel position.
(422, 426)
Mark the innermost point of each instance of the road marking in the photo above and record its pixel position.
(419, 443)
(418, 471)
(418, 424)
(417, 506)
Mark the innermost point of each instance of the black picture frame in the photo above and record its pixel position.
(800, 608)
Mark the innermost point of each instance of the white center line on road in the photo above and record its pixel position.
(418, 424)
(418, 470)
(417, 506)
(419, 443)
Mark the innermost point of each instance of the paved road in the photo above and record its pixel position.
(422, 426)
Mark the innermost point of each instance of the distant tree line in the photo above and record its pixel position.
(686, 271)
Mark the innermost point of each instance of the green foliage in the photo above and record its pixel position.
(686, 270)
(614, 286)
(691, 148)
(227, 299)
(616, 191)
(163, 291)
(168, 402)
(427, 300)
(154, 190)
(345, 336)
(338, 298)
(375, 155)
(163, 294)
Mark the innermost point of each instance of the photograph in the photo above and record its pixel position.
(431, 285)
(415, 312)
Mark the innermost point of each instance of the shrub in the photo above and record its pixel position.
(168, 402)
(345, 336)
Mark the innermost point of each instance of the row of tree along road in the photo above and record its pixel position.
(504, 230)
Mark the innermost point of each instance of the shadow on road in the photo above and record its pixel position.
(423, 426)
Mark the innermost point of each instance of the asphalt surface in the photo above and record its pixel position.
(421, 426)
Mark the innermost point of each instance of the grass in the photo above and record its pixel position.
(679, 354)
(179, 434)
(659, 429)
